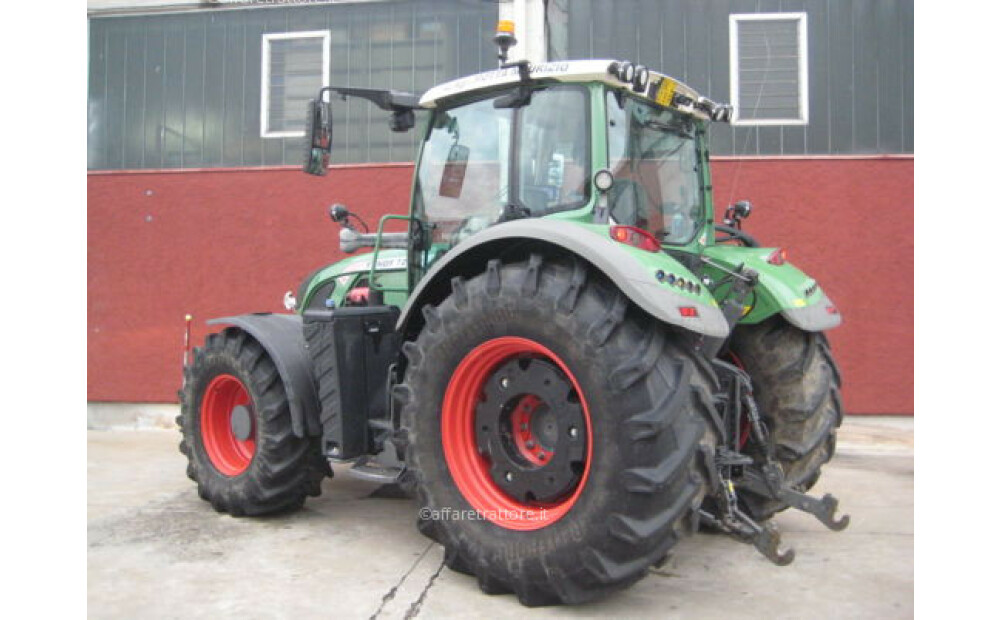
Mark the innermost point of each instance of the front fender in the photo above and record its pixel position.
(632, 270)
(282, 338)
(781, 289)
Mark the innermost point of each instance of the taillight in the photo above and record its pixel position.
(688, 312)
(635, 237)
(778, 257)
(832, 310)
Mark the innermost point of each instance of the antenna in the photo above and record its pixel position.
(746, 142)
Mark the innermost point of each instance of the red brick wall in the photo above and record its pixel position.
(213, 243)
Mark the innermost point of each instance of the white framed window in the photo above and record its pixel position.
(768, 68)
(294, 66)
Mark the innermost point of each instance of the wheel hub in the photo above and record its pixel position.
(528, 428)
(241, 423)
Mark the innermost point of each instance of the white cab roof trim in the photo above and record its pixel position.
(561, 71)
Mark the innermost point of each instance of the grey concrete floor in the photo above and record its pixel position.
(157, 551)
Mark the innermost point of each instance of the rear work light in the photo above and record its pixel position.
(778, 257)
(635, 237)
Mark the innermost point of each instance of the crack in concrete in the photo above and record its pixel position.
(661, 573)
(414, 609)
(391, 594)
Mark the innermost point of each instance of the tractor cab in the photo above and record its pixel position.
(594, 142)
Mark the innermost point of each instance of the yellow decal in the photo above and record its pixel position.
(798, 303)
(665, 94)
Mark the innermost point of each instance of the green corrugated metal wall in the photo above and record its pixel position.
(182, 90)
(860, 64)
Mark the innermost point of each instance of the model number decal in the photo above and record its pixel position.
(383, 264)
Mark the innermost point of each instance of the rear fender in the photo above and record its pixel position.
(281, 336)
(781, 289)
(632, 270)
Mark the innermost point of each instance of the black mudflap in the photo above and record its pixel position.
(352, 351)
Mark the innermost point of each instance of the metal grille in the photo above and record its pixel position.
(768, 69)
(294, 74)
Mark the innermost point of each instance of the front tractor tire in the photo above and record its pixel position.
(237, 431)
(796, 383)
(554, 431)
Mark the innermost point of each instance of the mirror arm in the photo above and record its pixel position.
(388, 100)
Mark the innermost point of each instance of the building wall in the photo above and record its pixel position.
(860, 64)
(216, 243)
(190, 211)
(182, 90)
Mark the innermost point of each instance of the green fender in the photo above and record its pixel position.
(781, 289)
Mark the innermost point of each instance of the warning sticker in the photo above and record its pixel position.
(665, 94)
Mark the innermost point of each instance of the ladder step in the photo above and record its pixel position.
(366, 468)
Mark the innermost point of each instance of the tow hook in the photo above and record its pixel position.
(731, 471)
(772, 484)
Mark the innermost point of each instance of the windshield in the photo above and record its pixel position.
(653, 155)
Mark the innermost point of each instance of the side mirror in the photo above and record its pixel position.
(402, 120)
(737, 212)
(339, 214)
(319, 131)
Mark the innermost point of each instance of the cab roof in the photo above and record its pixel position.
(659, 88)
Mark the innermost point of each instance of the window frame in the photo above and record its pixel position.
(265, 76)
(802, 20)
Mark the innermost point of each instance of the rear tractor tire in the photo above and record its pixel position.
(554, 432)
(796, 384)
(237, 431)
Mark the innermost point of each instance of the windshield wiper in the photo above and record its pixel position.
(672, 128)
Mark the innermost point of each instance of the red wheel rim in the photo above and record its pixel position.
(469, 468)
(230, 455)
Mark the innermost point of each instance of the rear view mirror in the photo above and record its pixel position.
(319, 131)
(453, 176)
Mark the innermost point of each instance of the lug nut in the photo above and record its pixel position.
(530, 444)
(573, 432)
(504, 382)
(509, 477)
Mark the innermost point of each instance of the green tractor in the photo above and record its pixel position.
(561, 354)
